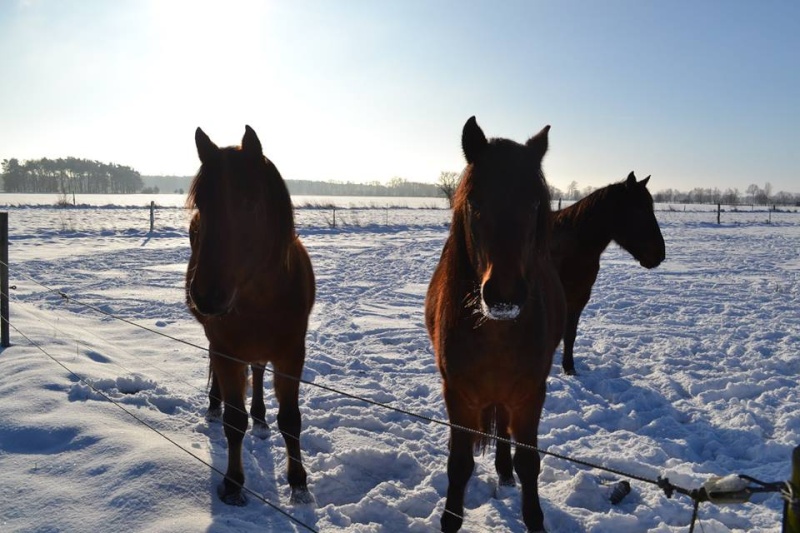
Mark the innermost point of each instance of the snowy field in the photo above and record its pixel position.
(687, 371)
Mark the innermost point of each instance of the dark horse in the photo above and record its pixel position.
(495, 312)
(620, 212)
(251, 286)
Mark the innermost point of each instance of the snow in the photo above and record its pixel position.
(688, 371)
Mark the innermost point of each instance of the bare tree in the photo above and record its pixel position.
(448, 181)
(572, 190)
(752, 191)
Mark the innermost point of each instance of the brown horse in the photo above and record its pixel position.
(495, 311)
(620, 212)
(251, 286)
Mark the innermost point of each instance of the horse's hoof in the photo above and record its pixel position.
(507, 482)
(214, 414)
(301, 496)
(231, 497)
(260, 430)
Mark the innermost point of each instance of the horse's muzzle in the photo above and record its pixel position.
(653, 259)
(500, 311)
(503, 301)
(211, 303)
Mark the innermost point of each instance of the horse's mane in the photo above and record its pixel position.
(270, 196)
(501, 147)
(587, 207)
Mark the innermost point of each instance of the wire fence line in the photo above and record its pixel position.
(698, 495)
(160, 433)
(174, 221)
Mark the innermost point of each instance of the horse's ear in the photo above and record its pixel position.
(250, 143)
(643, 183)
(631, 181)
(539, 142)
(206, 149)
(473, 141)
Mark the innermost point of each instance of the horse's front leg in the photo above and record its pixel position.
(287, 390)
(258, 410)
(502, 458)
(460, 462)
(214, 412)
(232, 377)
(524, 427)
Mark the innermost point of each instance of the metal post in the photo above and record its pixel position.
(5, 342)
(791, 516)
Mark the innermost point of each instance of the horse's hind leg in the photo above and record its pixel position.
(232, 377)
(287, 390)
(570, 332)
(525, 426)
(258, 410)
(460, 462)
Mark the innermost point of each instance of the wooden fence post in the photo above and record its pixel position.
(5, 342)
(719, 210)
(791, 518)
(152, 215)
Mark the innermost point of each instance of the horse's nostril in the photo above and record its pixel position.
(208, 303)
(501, 302)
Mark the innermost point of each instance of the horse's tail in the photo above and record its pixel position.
(489, 423)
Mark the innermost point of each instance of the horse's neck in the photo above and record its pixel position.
(588, 222)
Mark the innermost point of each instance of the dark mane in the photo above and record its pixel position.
(604, 198)
(268, 198)
(507, 156)
(584, 207)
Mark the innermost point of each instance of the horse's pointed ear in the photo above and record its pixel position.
(539, 142)
(473, 141)
(250, 143)
(206, 149)
(631, 181)
(643, 183)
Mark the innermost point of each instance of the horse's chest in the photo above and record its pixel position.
(496, 361)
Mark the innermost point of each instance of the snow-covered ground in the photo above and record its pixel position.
(686, 371)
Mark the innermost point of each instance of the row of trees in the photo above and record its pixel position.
(448, 181)
(752, 195)
(70, 175)
(395, 187)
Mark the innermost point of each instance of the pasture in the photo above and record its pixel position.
(686, 371)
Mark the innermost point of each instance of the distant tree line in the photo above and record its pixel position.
(395, 187)
(753, 195)
(70, 175)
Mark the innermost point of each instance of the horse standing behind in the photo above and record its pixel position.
(495, 312)
(250, 284)
(621, 212)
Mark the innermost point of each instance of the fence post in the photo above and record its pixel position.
(791, 516)
(152, 215)
(719, 210)
(5, 342)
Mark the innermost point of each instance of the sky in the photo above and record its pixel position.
(696, 94)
